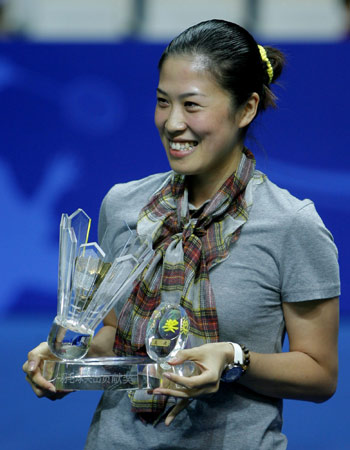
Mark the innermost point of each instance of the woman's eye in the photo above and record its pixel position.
(162, 101)
(191, 105)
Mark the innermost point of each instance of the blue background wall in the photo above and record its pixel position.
(74, 120)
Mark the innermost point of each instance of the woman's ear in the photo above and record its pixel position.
(248, 112)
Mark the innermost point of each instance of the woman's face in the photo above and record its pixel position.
(196, 121)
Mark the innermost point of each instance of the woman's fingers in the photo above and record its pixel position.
(209, 361)
(184, 355)
(185, 393)
(35, 357)
(46, 390)
(43, 388)
(179, 393)
(188, 387)
(37, 391)
(39, 383)
(206, 378)
(182, 404)
(32, 369)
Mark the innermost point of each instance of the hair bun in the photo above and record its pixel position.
(277, 61)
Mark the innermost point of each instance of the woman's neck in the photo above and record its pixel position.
(203, 187)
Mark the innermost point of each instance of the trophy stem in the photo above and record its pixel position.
(69, 342)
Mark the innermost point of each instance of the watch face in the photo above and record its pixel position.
(232, 374)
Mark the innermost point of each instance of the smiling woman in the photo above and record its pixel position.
(198, 126)
(210, 90)
(245, 259)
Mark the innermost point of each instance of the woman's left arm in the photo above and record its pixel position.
(308, 371)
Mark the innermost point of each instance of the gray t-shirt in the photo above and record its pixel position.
(284, 254)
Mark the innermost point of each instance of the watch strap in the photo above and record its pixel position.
(233, 371)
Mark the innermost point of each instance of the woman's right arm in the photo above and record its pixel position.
(101, 345)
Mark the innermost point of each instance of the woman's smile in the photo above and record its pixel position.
(180, 149)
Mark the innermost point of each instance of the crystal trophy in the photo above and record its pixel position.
(167, 333)
(89, 286)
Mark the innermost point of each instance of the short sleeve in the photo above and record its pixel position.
(309, 263)
(113, 230)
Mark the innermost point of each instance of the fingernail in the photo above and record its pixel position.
(155, 392)
(168, 421)
(167, 375)
(174, 360)
(52, 389)
(31, 366)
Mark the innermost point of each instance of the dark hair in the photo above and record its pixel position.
(232, 56)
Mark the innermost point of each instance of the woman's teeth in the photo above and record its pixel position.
(183, 146)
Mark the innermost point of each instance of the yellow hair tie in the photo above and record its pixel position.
(264, 57)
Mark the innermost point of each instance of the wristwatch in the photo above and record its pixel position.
(239, 366)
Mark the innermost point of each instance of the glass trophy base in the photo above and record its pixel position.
(112, 373)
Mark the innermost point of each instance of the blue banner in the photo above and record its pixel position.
(77, 118)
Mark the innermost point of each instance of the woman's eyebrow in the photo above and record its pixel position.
(185, 94)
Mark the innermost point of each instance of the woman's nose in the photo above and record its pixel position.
(175, 121)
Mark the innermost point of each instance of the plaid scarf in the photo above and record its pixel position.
(185, 250)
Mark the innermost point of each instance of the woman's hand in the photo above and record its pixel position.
(33, 369)
(102, 345)
(211, 360)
